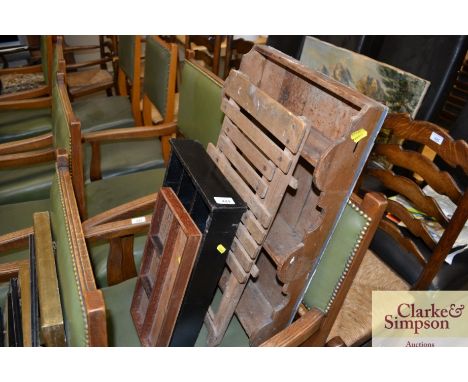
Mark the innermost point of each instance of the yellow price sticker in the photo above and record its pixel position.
(221, 249)
(357, 135)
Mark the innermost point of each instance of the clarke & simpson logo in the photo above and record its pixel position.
(419, 319)
(409, 317)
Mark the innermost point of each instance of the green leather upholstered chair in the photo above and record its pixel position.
(105, 194)
(22, 115)
(104, 112)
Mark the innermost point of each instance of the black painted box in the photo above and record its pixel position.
(216, 209)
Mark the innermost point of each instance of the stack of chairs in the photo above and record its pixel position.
(95, 162)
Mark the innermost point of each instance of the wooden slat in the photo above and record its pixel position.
(410, 190)
(279, 157)
(406, 243)
(242, 166)
(284, 125)
(251, 152)
(454, 152)
(241, 255)
(254, 227)
(252, 201)
(236, 268)
(247, 242)
(414, 225)
(440, 181)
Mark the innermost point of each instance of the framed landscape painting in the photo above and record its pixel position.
(401, 91)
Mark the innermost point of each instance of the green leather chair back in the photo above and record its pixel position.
(200, 117)
(72, 301)
(157, 68)
(126, 52)
(334, 263)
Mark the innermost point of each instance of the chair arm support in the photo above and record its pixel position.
(142, 132)
(298, 332)
(26, 158)
(124, 211)
(15, 240)
(22, 70)
(117, 229)
(27, 144)
(36, 103)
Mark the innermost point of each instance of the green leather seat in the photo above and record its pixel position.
(21, 124)
(25, 183)
(120, 328)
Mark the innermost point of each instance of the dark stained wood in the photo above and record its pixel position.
(445, 244)
(440, 181)
(170, 252)
(15, 240)
(120, 263)
(25, 158)
(124, 211)
(35, 103)
(298, 332)
(33, 143)
(453, 152)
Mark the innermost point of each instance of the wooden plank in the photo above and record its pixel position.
(241, 255)
(288, 128)
(282, 158)
(247, 242)
(170, 252)
(242, 166)
(251, 152)
(252, 201)
(52, 326)
(236, 269)
(254, 227)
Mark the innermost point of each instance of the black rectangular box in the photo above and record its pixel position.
(216, 209)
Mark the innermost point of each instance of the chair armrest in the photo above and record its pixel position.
(141, 132)
(26, 94)
(15, 240)
(27, 144)
(26, 158)
(119, 228)
(36, 103)
(22, 70)
(298, 332)
(124, 211)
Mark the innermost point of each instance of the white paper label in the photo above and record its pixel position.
(141, 219)
(221, 200)
(436, 138)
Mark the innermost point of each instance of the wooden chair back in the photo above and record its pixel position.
(452, 152)
(210, 52)
(160, 78)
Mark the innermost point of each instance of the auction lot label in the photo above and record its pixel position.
(420, 319)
